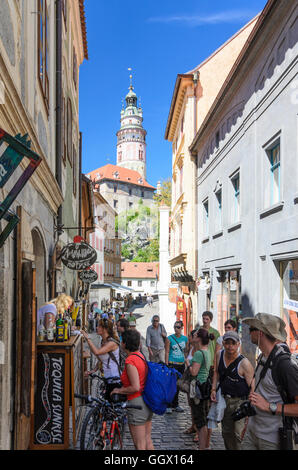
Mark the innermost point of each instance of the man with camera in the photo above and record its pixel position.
(273, 401)
(235, 374)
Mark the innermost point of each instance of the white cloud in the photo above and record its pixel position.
(231, 16)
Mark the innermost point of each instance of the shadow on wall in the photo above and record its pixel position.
(248, 349)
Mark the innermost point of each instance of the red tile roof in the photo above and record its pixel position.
(131, 269)
(125, 175)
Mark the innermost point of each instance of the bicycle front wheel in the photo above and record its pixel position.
(90, 434)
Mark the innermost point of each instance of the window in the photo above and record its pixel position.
(274, 157)
(74, 170)
(115, 189)
(130, 192)
(129, 283)
(115, 203)
(206, 217)
(75, 69)
(130, 204)
(235, 207)
(63, 133)
(117, 270)
(69, 131)
(152, 283)
(140, 283)
(64, 9)
(119, 156)
(218, 217)
(181, 180)
(43, 51)
(140, 154)
(142, 193)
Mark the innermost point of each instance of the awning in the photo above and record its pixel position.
(101, 286)
(120, 287)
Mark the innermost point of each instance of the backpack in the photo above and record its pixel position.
(276, 366)
(160, 387)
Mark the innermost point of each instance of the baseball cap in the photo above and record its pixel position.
(231, 335)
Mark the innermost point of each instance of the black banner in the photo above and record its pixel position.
(49, 399)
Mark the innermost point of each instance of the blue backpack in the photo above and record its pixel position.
(161, 386)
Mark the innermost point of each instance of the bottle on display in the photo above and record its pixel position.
(41, 332)
(50, 332)
(65, 328)
(59, 329)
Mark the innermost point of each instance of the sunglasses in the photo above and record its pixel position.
(253, 329)
(178, 327)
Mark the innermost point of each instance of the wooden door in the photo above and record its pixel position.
(25, 349)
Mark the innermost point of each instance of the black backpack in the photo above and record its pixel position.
(276, 366)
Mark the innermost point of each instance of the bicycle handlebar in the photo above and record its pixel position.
(90, 399)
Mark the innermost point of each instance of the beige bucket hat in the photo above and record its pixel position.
(270, 324)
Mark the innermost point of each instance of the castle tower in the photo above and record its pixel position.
(131, 137)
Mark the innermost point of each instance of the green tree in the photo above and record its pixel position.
(165, 194)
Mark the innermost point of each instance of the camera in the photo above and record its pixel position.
(245, 409)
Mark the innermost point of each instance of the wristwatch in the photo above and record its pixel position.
(273, 408)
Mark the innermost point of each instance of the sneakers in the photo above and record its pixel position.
(169, 411)
(179, 409)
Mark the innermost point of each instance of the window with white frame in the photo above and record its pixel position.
(274, 161)
(235, 202)
(206, 217)
(218, 212)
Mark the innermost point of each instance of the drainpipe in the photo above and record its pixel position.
(59, 103)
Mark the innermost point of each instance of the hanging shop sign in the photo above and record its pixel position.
(88, 276)
(78, 255)
(12, 152)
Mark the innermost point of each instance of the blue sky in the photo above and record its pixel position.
(158, 39)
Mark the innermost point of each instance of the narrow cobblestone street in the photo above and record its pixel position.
(167, 430)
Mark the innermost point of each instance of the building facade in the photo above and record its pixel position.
(34, 37)
(193, 95)
(122, 188)
(247, 158)
(141, 277)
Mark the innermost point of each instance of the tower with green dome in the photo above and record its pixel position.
(131, 137)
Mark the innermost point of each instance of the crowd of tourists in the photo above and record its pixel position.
(256, 406)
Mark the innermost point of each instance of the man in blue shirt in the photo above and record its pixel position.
(174, 351)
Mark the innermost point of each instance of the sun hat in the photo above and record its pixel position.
(231, 335)
(269, 324)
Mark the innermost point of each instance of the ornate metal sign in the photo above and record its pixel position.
(88, 276)
(78, 255)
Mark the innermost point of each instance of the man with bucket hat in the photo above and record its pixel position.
(274, 395)
(234, 373)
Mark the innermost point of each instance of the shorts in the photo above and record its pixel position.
(138, 417)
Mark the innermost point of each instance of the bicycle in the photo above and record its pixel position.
(103, 425)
